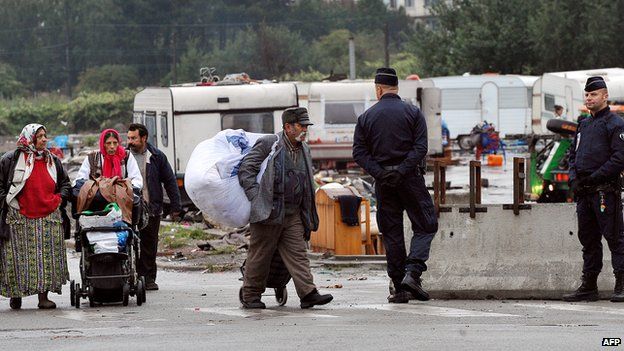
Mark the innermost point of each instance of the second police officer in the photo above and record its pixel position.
(596, 161)
(390, 143)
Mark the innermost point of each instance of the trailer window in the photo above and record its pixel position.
(164, 131)
(343, 112)
(253, 122)
(138, 117)
(549, 102)
(150, 124)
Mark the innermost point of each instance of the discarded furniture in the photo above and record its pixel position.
(336, 236)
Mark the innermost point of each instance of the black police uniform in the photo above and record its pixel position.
(392, 135)
(596, 161)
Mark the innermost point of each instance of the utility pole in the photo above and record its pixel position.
(351, 58)
(174, 54)
(387, 44)
(68, 63)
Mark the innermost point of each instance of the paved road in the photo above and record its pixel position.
(195, 311)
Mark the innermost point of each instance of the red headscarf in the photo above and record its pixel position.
(112, 163)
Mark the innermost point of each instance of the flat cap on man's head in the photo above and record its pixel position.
(386, 76)
(296, 115)
(595, 83)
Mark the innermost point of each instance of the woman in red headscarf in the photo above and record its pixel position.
(33, 189)
(112, 160)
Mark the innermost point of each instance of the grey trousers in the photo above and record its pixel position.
(288, 240)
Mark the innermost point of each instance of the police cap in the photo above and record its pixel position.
(386, 76)
(296, 115)
(595, 83)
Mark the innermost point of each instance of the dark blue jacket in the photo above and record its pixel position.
(598, 147)
(159, 172)
(391, 133)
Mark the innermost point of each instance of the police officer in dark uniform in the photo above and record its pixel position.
(596, 161)
(390, 143)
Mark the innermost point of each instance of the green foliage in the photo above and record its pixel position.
(264, 52)
(86, 113)
(10, 87)
(175, 236)
(107, 78)
(191, 61)
(45, 110)
(53, 43)
(477, 36)
(331, 52)
(404, 63)
(94, 112)
(308, 75)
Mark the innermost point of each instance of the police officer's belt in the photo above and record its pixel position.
(416, 171)
(606, 187)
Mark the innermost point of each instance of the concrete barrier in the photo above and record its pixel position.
(499, 255)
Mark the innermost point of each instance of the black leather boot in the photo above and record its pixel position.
(397, 293)
(254, 304)
(618, 291)
(314, 299)
(588, 291)
(413, 284)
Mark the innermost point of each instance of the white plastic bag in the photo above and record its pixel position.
(211, 178)
(103, 241)
(108, 220)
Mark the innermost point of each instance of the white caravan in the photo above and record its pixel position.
(180, 117)
(504, 100)
(566, 89)
(335, 106)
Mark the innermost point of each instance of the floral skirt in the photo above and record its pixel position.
(34, 259)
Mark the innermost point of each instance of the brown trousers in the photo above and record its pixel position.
(288, 240)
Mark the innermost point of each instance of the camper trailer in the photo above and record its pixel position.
(566, 89)
(335, 106)
(504, 100)
(180, 117)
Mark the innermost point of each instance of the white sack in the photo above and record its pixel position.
(211, 178)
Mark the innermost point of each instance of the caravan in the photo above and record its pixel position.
(566, 89)
(503, 100)
(180, 117)
(335, 106)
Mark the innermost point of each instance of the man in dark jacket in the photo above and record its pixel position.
(283, 212)
(155, 170)
(390, 143)
(596, 162)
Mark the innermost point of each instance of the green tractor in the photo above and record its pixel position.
(549, 162)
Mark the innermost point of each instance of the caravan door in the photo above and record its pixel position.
(431, 108)
(489, 104)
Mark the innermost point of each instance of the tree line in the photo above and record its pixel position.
(56, 50)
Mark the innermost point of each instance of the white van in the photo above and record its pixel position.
(335, 106)
(180, 117)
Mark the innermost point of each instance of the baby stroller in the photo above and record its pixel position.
(109, 250)
(278, 279)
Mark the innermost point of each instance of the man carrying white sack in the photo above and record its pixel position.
(283, 212)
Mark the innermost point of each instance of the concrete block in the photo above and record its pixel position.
(499, 255)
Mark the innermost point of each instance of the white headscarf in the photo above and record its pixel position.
(26, 143)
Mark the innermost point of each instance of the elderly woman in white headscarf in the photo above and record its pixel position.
(33, 191)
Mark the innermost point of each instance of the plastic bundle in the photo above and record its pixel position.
(105, 218)
(211, 178)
